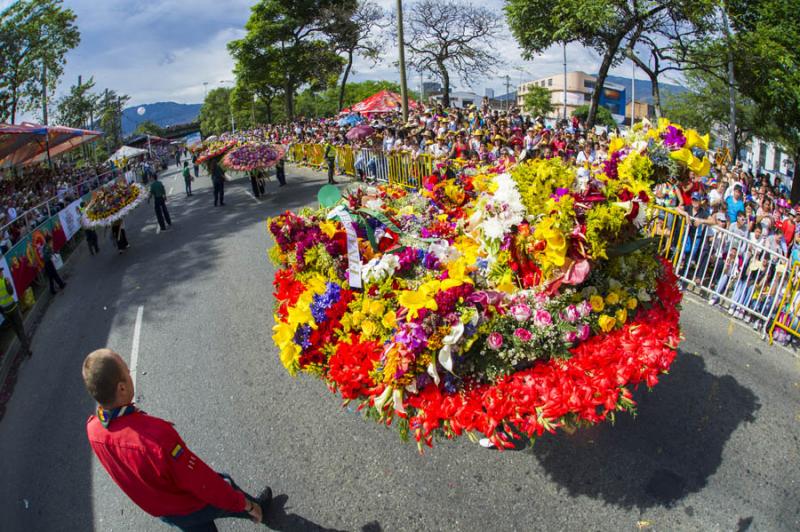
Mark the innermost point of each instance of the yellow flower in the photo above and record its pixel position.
(368, 329)
(373, 307)
(328, 227)
(506, 284)
(616, 144)
(612, 298)
(457, 275)
(283, 336)
(633, 303)
(621, 316)
(606, 323)
(597, 303)
(389, 320)
(416, 300)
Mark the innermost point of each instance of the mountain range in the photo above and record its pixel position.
(161, 113)
(644, 88)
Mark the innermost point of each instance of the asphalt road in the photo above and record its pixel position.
(714, 447)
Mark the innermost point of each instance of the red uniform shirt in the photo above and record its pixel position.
(150, 462)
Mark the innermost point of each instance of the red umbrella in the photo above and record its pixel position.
(359, 133)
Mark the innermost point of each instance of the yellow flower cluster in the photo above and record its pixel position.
(538, 179)
(299, 314)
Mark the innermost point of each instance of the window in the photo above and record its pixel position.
(588, 84)
(762, 154)
(550, 82)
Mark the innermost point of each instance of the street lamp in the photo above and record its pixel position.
(230, 108)
(205, 91)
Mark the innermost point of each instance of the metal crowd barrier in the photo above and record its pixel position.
(788, 312)
(668, 226)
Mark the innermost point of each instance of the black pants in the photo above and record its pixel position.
(203, 519)
(14, 318)
(331, 164)
(219, 193)
(254, 185)
(161, 213)
(188, 183)
(91, 239)
(196, 171)
(280, 175)
(52, 276)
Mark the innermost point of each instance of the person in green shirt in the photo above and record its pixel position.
(187, 178)
(159, 194)
(11, 313)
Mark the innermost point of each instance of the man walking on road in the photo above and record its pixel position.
(330, 159)
(218, 180)
(187, 178)
(148, 460)
(158, 192)
(11, 313)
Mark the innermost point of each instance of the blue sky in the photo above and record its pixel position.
(165, 50)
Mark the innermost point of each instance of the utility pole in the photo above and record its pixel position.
(44, 95)
(205, 91)
(508, 90)
(564, 47)
(633, 89)
(401, 46)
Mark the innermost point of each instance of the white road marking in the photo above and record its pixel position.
(137, 331)
(171, 189)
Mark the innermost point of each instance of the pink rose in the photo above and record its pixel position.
(572, 314)
(495, 341)
(585, 308)
(542, 318)
(523, 334)
(521, 312)
(578, 272)
(570, 337)
(583, 332)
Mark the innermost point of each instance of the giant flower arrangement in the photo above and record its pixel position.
(497, 304)
(215, 148)
(112, 203)
(253, 156)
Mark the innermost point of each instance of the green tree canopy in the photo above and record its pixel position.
(35, 36)
(215, 115)
(603, 116)
(538, 101)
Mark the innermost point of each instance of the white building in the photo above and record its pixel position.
(460, 99)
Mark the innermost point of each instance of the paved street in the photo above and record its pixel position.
(714, 447)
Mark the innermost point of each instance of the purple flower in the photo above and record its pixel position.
(495, 341)
(673, 138)
(412, 335)
(542, 318)
(301, 336)
(570, 337)
(521, 311)
(559, 193)
(322, 302)
(585, 308)
(583, 332)
(523, 334)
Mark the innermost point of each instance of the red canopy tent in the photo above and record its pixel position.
(31, 143)
(381, 102)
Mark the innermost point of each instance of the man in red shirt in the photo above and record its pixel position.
(149, 461)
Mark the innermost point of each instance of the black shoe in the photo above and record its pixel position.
(333, 182)
(221, 204)
(264, 499)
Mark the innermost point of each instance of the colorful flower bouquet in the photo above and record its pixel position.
(253, 156)
(501, 304)
(111, 203)
(215, 149)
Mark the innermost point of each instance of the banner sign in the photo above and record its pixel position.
(70, 219)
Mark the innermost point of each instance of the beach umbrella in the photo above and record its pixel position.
(359, 133)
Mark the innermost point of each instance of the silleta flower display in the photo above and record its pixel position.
(489, 302)
(111, 203)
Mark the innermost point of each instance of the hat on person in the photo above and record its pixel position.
(697, 196)
(793, 212)
(721, 217)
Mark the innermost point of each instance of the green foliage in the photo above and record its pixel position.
(603, 118)
(148, 127)
(538, 101)
(35, 36)
(215, 115)
(325, 103)
(78, 107)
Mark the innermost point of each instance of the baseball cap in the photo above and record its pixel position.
(721, 217)
(697, 196)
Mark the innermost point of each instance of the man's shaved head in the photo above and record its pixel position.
(103, 370)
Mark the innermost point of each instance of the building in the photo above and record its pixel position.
(488, 92)
(579, 89)
(460, 99)
(643, 110)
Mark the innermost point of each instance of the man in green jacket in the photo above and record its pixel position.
(158, 192)
(11, 313)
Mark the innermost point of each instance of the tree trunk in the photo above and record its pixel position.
(13, 104)
(445, 85)
(795, 195)
(344, 79)
(289, 95)
(608, 58)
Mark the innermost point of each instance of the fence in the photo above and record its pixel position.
(34, 217)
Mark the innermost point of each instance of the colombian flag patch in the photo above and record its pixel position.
(177, 451)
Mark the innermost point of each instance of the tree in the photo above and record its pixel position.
(110, 112)
(148, 127)
(767, 65)
(446, 36)
(706, 105)
(603, 116)
(35, 36)
(538, 101)
(294, 35)
(358, 34)
(259, 71)
(215, 115)
(602, 25)
(77, 107)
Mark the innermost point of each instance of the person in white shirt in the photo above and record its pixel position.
(585, 155)
(717, 194)
(12, 213)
